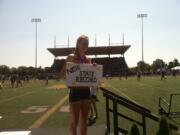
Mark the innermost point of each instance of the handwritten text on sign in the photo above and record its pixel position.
(83, 74)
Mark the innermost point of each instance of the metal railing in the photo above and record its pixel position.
(118, 100)
(168, 111)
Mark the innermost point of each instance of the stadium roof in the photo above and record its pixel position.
(98, 50)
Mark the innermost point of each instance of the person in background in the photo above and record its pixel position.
(1, 86)
(47, 80)
(18, 81)
(12, 79)
(138, 75)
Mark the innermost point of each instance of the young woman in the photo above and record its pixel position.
(79, 97)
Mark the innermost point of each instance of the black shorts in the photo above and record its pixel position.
(77, 95)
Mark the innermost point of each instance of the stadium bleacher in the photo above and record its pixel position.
(112, 66)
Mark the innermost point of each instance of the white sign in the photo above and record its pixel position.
(83, 74)
(15, 133)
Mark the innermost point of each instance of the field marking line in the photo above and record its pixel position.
(155, 87)
(15, 97)
(116, 89)
(48, 113)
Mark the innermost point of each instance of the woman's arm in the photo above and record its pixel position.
(63, 70)
(89, 60)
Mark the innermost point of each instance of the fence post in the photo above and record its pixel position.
(144, 124)
(115, 117)
(170, 102)
(107, 115)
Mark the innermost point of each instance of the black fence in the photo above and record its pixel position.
(118, 100)
(165, 107)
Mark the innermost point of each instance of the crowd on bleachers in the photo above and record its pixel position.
(112, 66)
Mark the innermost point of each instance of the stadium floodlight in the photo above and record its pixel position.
(36, 20)
(142, 16)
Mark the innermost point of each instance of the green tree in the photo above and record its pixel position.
(157, 64)
(170, 65)
(173, 63)
(4, 69)
(176, 62)
(134, 130)
(13, 70)
(31, 71)
(163, 127)
(22, 70)
(143, 66)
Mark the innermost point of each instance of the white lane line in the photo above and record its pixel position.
(15, 97)
(48, 113)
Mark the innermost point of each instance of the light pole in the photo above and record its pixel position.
(142, 16)
(36, 20)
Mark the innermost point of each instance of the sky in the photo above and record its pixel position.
(63, 18)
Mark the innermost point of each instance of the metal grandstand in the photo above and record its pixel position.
(98, 50)
(110, 49)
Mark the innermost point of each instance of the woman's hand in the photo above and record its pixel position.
(94, 64)
(63, 70)
(62, 76)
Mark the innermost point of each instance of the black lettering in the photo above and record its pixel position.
(74, 69)
(77, 78)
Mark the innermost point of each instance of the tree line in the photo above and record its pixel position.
(155, 66)
(142, 66)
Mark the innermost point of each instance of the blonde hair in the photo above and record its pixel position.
(79, 41)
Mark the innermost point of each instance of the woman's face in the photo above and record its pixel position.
(83, 45)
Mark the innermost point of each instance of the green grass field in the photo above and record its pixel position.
(145, 92)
